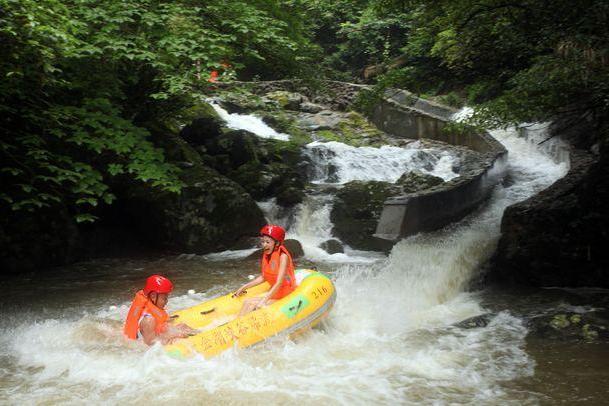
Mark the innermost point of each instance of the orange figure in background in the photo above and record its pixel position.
(213, 76)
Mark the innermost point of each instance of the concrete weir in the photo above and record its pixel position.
(402, 114)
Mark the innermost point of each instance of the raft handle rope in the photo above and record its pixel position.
(204, 312)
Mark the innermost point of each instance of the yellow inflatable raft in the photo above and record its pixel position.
(220, 330)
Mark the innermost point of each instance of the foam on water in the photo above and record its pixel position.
(336, 162)
(388, 340)
(310, 224)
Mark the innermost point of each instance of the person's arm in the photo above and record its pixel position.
(147, 326)
(283, 266)
(254, 282)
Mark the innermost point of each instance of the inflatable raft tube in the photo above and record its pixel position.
(219, 330)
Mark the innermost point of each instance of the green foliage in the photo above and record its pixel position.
(354, 34)
(519, 61)
(82, 80)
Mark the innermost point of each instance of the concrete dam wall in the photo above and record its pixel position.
(402, 114)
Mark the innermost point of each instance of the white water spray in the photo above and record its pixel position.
(336, 162)
(248, 122)
(389, 339)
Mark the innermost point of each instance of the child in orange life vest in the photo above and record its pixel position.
(147, 318)
(277, 269)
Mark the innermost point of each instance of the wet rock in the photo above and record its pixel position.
(203, 123)
(559, 236)
(295, 248)
(309, 107)
(210, 214)
(588, 327)
(242, 101)
(350, 128)
(332, 246)
(357, 208)
(289, 196)
(246, 242)
(286, 100)
(324, 120)
(265, 168)
(415, 181)
(477, 321)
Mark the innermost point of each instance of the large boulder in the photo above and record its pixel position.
(415, 181)
(356, 211)
(559, 236)
(294, 247)
(286, 100)
(211, 213)
(264, 167)
(332, 246)
(203, 124)
(348, 127)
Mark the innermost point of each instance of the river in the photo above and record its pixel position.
(389, 339)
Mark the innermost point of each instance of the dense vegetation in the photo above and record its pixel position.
(82, 80)
(85, 83)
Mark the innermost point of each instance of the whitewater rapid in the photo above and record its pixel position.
(390, 338)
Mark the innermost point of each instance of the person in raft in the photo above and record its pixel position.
(147, 318)
(277, 269)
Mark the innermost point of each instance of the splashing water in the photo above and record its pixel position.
(388, 340)
(336, 162)
(248, 122)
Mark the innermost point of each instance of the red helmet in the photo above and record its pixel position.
(277, 233)
(158, 284)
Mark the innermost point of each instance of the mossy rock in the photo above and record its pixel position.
(201, 123)
(350, 128)
(568, 326)
(211, 213)
(286, 100)
(415, 181)
(257, 178)
(356, 211)
(289, 196)
(241, 100)
(332, 246)
(294, 247)
(284, 122)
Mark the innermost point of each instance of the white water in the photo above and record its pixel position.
(389, 338)
(248, 122)
(310, 224)
(336, 162)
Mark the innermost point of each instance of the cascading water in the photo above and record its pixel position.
(335, 162)
(248, 122)
(389, 339)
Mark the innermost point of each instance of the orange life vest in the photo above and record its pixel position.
(213, 76)
(270, 270)
(140, 305)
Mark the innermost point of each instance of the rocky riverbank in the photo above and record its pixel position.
(560, 236)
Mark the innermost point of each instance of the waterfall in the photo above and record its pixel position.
(335, 162)
(389, 340)
(248, 122)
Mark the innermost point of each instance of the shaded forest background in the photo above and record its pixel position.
(86, 85)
